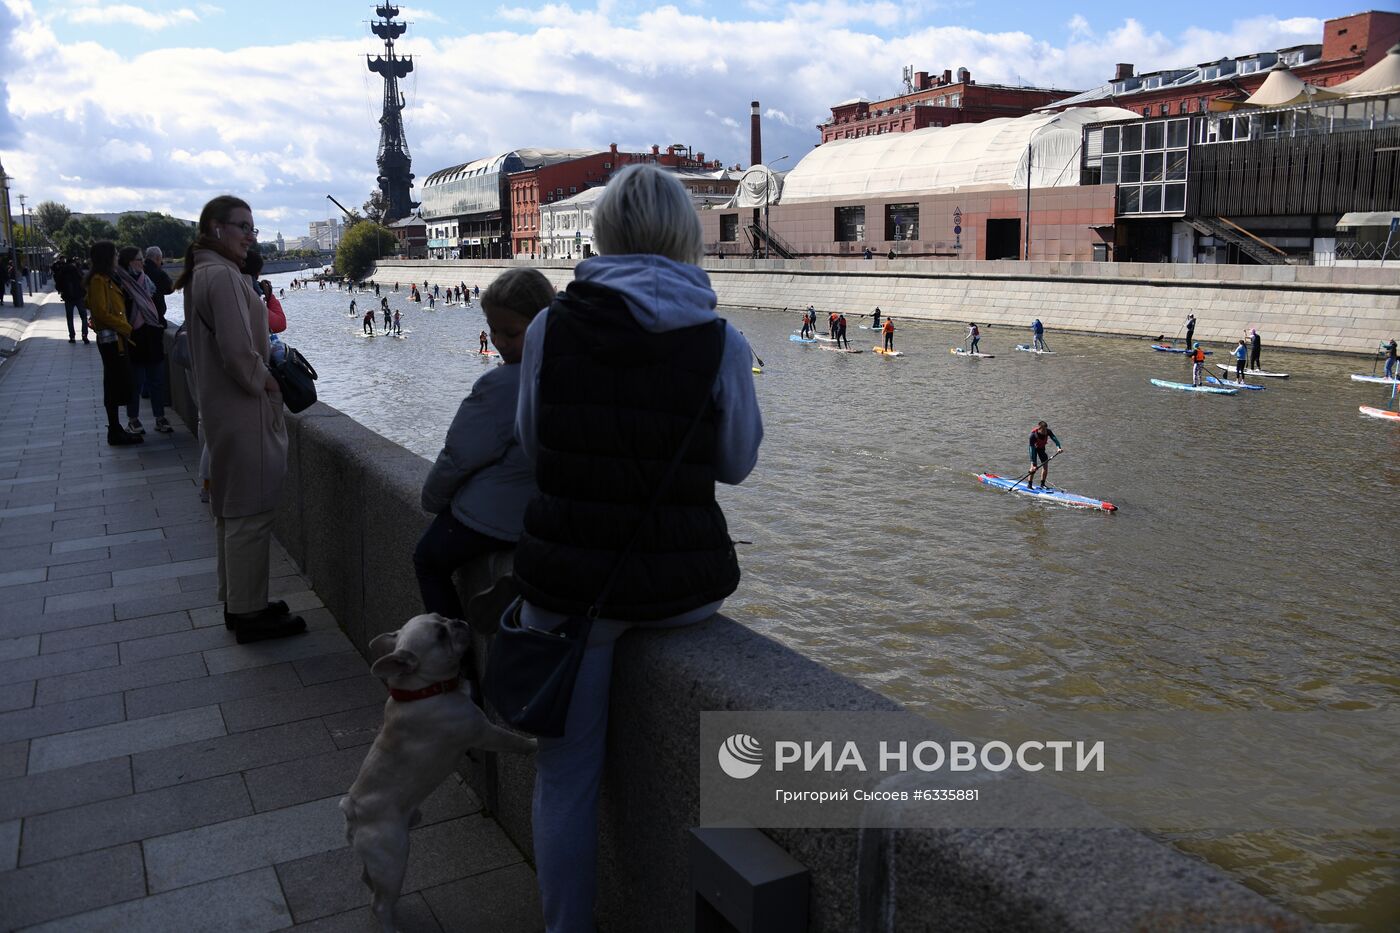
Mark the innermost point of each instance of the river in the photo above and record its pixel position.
(1251, 564)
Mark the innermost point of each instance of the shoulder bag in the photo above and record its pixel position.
(530, 673)
(296, 378)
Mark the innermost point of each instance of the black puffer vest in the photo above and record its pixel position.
(614, 404)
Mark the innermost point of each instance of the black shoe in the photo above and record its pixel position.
(275, 607)
(85, 339)
(72, 339)
(265, 625)
(116, 437)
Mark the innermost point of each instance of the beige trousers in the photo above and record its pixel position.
(244, 555)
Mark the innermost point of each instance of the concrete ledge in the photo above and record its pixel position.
(15, 321)
(351, 519)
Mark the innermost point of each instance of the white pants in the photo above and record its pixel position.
(245, 545)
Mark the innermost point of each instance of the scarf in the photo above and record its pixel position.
(143, 309)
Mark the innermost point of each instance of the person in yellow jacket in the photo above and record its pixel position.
(107, 304)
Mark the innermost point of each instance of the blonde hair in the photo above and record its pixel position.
(521, 291)
(646, 210)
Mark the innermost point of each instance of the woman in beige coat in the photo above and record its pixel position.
(241, 411)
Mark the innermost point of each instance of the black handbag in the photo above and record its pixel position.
(530, 673)
(296, 378)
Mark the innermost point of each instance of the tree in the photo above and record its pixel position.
(172, 235)
(376, 206)
(360, 246)
(50, 216)
(76, 236)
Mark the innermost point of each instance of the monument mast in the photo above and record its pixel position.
(395, 178)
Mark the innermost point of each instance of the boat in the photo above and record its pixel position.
(796, 338)
(959, 351)
(883, 352)
(1188, 387)
(1058, 496)
(1252, 372)
(1359, 377)
(1231, 382)
(1162, 348)
(1027, 348)
(1383, 413)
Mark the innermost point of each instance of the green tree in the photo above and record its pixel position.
(76, 236)
(50, 216)
(360, 246)
(376, 206)
(172, 235)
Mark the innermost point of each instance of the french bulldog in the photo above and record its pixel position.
(429, 720)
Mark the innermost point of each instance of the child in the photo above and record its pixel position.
(1198, 364)
(481, 482)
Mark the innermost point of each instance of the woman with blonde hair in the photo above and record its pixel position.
(240, 408)
(106, 302)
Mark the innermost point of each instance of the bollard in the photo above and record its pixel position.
(743, 882)
(17, 292)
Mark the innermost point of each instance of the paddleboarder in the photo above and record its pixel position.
(1390, 358)
(974, 337)
(875, 319)
(482, 338)
(841, 332)
(1040, 460)
(1255, 345)
(807, 325)
(1190, 327)
(1241, 352)
(889, 334)
(388, 318)
(1198, 364)
(369, 323)
(398, 329)
(1038, 332)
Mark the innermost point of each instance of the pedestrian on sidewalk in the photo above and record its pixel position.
(106, 301)
(241, 410)
(155, 271)
(147, 342)
(68, 278)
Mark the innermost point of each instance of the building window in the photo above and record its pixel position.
(573, 190)
(1162, 110)
(1132, 138)
(850, 224)
(1110, 138)
(607, 165)
(1154, 136)
(1147, 111)
(902, 221)
(955, 100)
(1174, 199)
(1109, 170)
(729, 228)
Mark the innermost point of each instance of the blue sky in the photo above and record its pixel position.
(160, 104)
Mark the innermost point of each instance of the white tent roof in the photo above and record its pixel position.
(1283, 87)
(758, 186)
(1383, 76)
(1367, 219)
(988, 154)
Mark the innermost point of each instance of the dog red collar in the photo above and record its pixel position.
(432, 690)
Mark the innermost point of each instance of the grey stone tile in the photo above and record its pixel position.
(112, 595)
(331, 667)
(355, 727)
(25, 646)
(113, 632)
(309, 645)
(205, 691)
(105, 540)
(230, 753)
(87, 881)
(16, 696)
(31, 575)
(33, 620)
(186, 642)
(61, 662)
(302, 703)
(14, 758)
(124, 738)
(119, 678)
(9, 845)
(173, 601)
(329, 883)
(38, 555)
(181, 568)
(412, 916)
(134, 817)
(248, 903)
(103, 560)
(235, 846)
(68, 787)
(506, 900)
(41, 509)
(52, 588)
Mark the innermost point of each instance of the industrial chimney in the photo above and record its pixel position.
(755, 136)
(1123, 70)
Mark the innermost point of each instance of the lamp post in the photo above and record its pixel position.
(16, 290)
(767, 194)
(28, 257)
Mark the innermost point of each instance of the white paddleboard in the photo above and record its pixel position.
(1225, 367)
(958, 351)
(1358, 377)
(1027, 348)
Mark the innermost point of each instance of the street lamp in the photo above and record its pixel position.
(767, 193)
(28, 259)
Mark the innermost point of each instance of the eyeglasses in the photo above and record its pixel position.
(247, 228)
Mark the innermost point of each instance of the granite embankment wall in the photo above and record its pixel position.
(1302, 307)
(351, 520)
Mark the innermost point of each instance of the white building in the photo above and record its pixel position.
(326, 233)
(566, 227)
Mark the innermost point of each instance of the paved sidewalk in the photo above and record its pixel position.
(154, 775)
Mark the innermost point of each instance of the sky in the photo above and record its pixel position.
(162, 104)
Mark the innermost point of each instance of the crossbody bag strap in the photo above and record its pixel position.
(596, 609)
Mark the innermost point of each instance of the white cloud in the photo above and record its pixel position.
(122, 13)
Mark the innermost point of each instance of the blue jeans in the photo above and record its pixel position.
(152, 377)
(68, 308)
(1389, 366)
(568, 774)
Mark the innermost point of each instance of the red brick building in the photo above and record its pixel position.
(533, 187)
(935, 100)
(1350, 45)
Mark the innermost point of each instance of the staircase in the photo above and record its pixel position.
(776, 244)
(1223, 228)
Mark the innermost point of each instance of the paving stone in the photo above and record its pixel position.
(106, 540)
(14, 758)
(329, 883)
(257, 841)
(111, 595)
(309, 645)
(330, 667)
(226, 754)
(41, 509)
(302, 703)
(119, 678)
(124, 738)
(247, 903)
(33, 620)
(9, 845)
(206, 691)
(134, 817)
(506, 900)
(411, 916)
(67, 787)
(355, 727)
(16, 696)
(39, 555)
(88, 881)
(113, 632)
(23, 647)
(186, 642)
(52, 588)
(62, 662)
(31, 575)
(173, 601)
(176, 569)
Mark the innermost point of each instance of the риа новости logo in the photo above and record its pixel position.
(741, 756)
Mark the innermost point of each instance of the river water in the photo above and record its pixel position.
(1251, 564)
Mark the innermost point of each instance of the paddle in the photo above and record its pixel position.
(1033, 469)
(756, 357)
(1376, 361)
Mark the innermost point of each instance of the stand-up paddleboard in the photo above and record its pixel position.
(844, 349)
(959, 351)
(1188, 387)
(1359, 377)
(1224, 367)
(1027, 348)
(796, 338)
(883, 352)
(1049, 495)
(1232, 382)
(485, 353)
(1382, 413)
(1165, 349)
